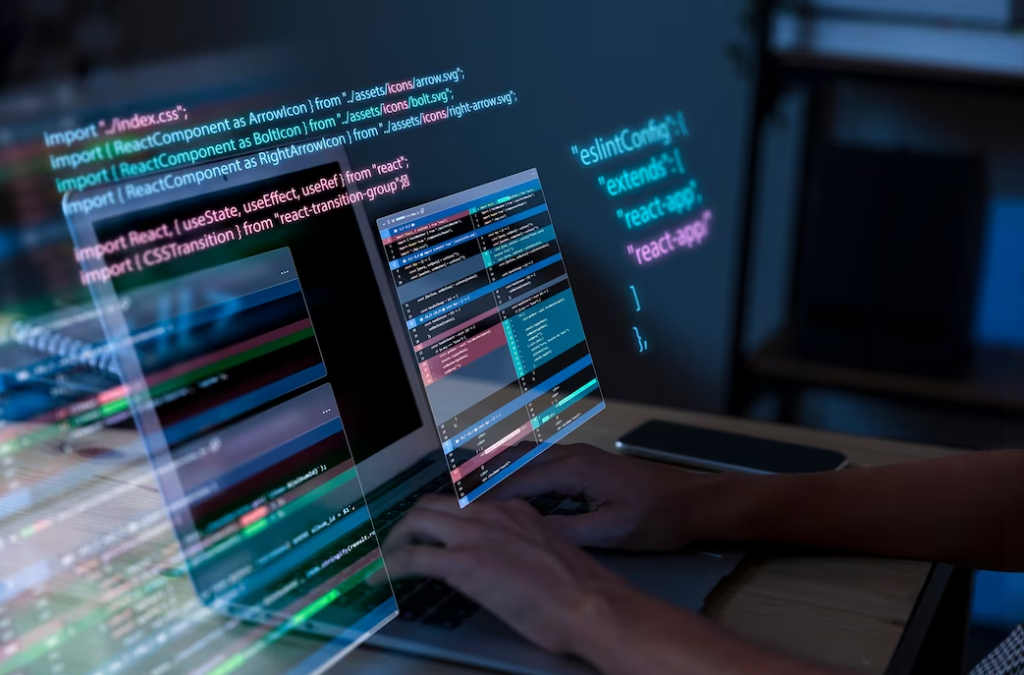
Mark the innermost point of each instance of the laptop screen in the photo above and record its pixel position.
(494, 326)
(346, 310)
(253, 325)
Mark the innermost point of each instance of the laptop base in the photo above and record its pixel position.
(684, 579)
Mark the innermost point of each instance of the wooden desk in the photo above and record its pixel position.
(842, 611)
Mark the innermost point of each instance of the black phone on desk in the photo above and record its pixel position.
(711, 450)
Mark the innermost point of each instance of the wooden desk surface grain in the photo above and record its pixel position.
(843, 611)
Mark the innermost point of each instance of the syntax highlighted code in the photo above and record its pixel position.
(188, 234)
(686, 236)
(658, 168)
(656, 132)
(675, 203)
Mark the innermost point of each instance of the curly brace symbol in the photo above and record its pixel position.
(641, 343)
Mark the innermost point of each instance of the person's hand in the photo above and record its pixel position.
(503, 557)
(635, 504)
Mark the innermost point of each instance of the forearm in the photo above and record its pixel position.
(967, 510)
(625, 632)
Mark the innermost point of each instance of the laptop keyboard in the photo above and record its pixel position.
(434, 602)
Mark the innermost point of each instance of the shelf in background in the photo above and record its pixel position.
(933, 50)
(997, 13)
(993, 382)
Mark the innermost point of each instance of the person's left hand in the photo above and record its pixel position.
(505, 558)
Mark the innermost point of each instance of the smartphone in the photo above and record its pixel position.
(711, 450)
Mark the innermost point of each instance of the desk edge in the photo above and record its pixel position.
(909, 646)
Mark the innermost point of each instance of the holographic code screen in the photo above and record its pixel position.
(493, 323)
(231, 318)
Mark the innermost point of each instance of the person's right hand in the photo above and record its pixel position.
(635, 504)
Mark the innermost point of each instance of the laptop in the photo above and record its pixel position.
(236, 406)
(412, 415)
